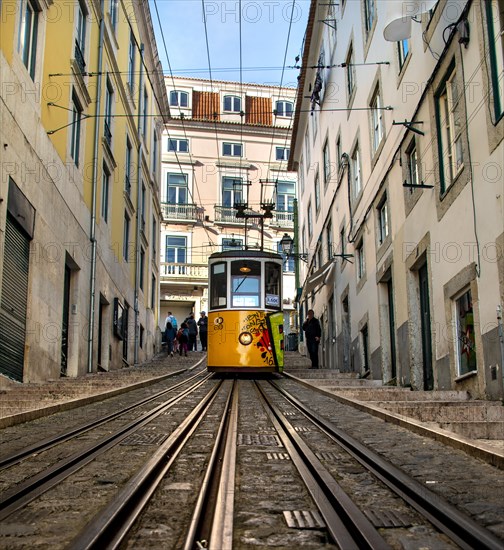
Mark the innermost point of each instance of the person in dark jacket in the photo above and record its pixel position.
(203, 330)
(193, 332)
(313, 333)
(170, 335)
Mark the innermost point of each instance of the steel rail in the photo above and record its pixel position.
(110, 526)
(457, 525)
(43, 481)
(45, 444)
(347, 525)
(219, 475)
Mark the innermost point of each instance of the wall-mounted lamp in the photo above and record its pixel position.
(287, 246)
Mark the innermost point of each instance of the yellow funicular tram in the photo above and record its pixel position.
(245, 318)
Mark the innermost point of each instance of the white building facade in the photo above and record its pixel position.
(226, 143)
(399, 151)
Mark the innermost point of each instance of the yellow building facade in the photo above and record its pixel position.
(82, 106)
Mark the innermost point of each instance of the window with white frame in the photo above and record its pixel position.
(113, 13)
(179, 99)
(75, 129)
(142, 268)
(317, 192)
(109, 104)
(329, 240)
(285, 195)
(369, 15)
(126, 236)
(310, 219)
(350, 72)
(127, 168)
(361, 261)
(80, 39)
(143, 207)
(326, 160)
(232, 104)
(145, 113)
(175, 249)
(377, 119)
(403, 50)
(412, 157)
(282, 153)
(465, 334)
(27, 40)
(301, 175)
(232, 149)
(343, 242)
(231, 244)
(284, 108)
(178, 145)
(177, 189)
(131, 62)
(449, 126)
(383, 221)
(356, 172)
(495, 29)
(307, 149)
(339, 153)
(105, 194)
(154, 151)
(232, 191)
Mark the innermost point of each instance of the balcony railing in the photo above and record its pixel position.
(227, 214)
(177, 271)
(282, 218)
(188, 212)
(79, 57)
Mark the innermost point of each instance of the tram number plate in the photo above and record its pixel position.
(273, 300)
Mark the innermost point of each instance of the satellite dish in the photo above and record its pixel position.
(399, 16)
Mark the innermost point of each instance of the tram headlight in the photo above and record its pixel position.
(245, 338)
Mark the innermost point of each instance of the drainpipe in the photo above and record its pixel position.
(139, 208)
(92, 231)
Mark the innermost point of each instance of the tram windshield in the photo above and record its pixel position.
(245, 284)
(218, 286)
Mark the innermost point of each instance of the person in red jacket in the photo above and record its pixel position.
(313, 332)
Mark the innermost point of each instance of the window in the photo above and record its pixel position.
(301, 175)
(177, 190)
(369, 15)
(343, 242)
(179, 99)
(377, 119)
(465, 336)
(127, 168)
(105, 194)
(326, 159)
(153, 291)
(178, 145)
(365, 348)
(143, 207)
(310, 219)
(245, 289)
(154, 152)
(339, 153)
(284, 108)
(449, 126)
(176, 249)
(282, 153)
(232, 149)
(109, 102)
(142, 336)
(350, 72)
(218, 286)
(131, 62)
(307, 150)
(411, 154)
(289, 261)
(495, 25)
(232, 244)
(145, 115)
(317, 192)
(329, 240)
(142, 268)
(361, 264)
(402, 52)
(356, 173)
(232, 104)
(113, 13)
(285, 196)
(232, 191)
(75, 128)
(80, 39)
(126, 236)
(383, 223)
(272, 278)
(154, 237)
(28, 27)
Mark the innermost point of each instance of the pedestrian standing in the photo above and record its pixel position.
(170, 335)
(193, 332)
(203, 330)
(313, 333)
(183, 338)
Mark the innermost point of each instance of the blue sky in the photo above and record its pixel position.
(264, 30)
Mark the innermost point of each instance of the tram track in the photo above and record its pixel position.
(18, 496)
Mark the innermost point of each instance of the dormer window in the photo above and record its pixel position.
(232, 104)
(179, 99)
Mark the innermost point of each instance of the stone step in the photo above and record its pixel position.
(335, 384)
(476, 430)
(472, 411)
(387, 393)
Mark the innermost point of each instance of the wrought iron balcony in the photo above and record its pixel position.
(79, 57)
(181, 271)
(186, 212)
(227, 214)
(282, 218)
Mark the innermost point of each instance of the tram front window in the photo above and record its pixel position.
(245, 284)
(218, 286)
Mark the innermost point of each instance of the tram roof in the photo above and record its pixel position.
(247, 254)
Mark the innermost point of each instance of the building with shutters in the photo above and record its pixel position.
(225, 143)
(81, 109)
(399, 149)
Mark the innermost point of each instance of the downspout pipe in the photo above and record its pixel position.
(139, 208)
(92, 231)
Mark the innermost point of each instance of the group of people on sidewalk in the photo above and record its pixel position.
(184, 339)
